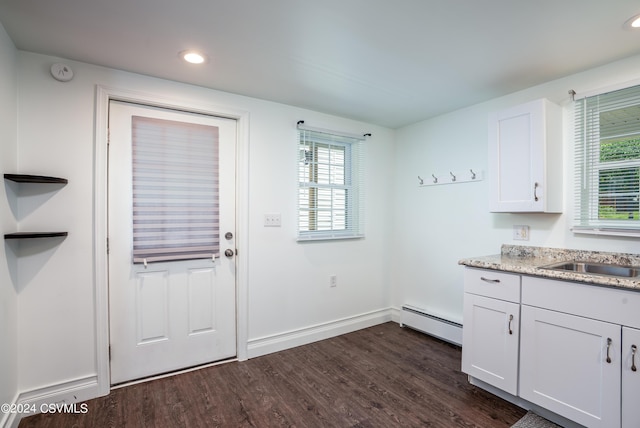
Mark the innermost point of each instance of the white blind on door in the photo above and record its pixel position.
(175, 190)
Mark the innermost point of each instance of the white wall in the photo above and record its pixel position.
(8, 280)
(287, 282)
(438, 225)
(410, 253)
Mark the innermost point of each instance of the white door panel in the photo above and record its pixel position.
(490, 340)
(571, 366)
(167, 315)
(151, 306)
(630, 377)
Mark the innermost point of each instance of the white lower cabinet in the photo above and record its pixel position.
(491, 332)
(492, 341)
(571, 348)
(630, 377)
(571, 366)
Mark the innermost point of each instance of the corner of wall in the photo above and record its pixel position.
(8, 288)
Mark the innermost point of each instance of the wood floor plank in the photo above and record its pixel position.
(383, 376)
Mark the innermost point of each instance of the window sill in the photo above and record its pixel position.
(327, 238)
(606, 231)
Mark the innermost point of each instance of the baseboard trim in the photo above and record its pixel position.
(9, 419)
(291, 339)
(396, 315)
(70, 392)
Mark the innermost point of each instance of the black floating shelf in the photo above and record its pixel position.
(26, 178)
(32, 235)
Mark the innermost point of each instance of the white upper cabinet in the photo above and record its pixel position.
(525, 158)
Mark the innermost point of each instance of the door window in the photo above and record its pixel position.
(175, 190)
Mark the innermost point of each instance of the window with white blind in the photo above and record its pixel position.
(175, 190)
(607, 130)
(330, 190)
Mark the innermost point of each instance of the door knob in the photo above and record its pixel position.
(228, 252)
(228, 236)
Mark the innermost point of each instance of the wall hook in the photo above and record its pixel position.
(458, 176)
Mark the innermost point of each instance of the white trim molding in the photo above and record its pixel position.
(396, 314)
(62, 394)
(302, 336)
(10, 419)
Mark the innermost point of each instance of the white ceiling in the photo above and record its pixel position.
(388, 62)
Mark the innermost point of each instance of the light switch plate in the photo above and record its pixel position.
(272, 220)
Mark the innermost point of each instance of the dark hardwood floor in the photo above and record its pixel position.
(383, 376)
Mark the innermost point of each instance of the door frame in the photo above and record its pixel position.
(104, 95)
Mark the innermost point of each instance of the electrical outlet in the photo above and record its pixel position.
(521, 233)
(272, 220)
(333, 281)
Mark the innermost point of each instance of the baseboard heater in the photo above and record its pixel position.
(419, 319)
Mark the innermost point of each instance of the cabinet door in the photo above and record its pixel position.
(564, 366)
(524, 155)
(630, 377)
(490, 341)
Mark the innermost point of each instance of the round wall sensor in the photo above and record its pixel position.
(61, 72)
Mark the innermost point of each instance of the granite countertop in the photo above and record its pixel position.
(528, 261)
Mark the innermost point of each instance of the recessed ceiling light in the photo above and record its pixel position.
(193, 57)
(633, 23)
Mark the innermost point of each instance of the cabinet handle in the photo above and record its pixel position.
(493, 281)
(535, 191)
(609, 341)
(634, 349)
(510, 320)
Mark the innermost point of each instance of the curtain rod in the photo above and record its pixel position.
(606, 89)
(301, 125)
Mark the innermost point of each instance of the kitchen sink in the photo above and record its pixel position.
(596, 268)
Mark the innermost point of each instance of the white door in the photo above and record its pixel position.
(490, 340)
(172, 297)
(571, 366)
(516, 145)
(630, 377)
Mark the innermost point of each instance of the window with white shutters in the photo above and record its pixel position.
(607, 130)
(329, 185)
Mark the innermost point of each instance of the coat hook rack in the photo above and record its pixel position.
(453, 177)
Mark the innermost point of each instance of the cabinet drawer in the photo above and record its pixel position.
(610, 304)
(491, 283)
